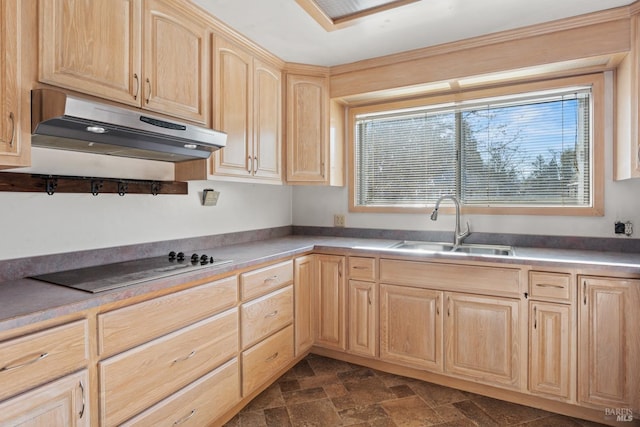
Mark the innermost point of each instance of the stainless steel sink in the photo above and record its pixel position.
(485, 249)
(423, 246)
(472, 249)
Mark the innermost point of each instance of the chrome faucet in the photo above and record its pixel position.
(458, 237)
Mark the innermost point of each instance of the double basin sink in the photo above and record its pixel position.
(468, 248)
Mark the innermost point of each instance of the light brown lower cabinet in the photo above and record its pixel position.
(33, 359)
(363, 318)
(61, 403)
(164, 365)
(198, 404)
(262, 316)
(480, 334)
(609, 352)
(263, 360)
(331, 302)
(550, 349)
(411, 326)
(304, 275)
(195, 373)
(482, 338)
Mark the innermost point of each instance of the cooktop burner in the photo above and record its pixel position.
(117, 275)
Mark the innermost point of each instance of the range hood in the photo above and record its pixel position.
(68, 122)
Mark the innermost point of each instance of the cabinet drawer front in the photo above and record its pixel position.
(164, 365)
(552, 286)
(198, 404)
(452, 277)
(42, 356)
(265, 315)
(122, 329)
(362, 268)
(263, 360)
(262, 281)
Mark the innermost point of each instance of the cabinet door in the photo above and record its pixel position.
(307, 128)
(331, 304)
(363, 318)
(233, 94)
(481, 338)
(609, 355)
(62, 403)
(304, 303)
(92, 47)
(267, 118)
(551, 363)
(176, 62)
(12, 153)
(411, 326)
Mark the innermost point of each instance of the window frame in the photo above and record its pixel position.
(596, 81)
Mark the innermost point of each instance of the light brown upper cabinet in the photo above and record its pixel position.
(11, 152)
(627, 140)
(248, 108)
(247, 96)
(145, 53)
(315, 132)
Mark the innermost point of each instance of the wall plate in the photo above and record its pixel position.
(210, 197)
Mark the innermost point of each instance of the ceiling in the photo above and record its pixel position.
(286, 30)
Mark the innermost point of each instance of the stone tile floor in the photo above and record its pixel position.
(325, 392)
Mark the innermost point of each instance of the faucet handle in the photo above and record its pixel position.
(466, 232)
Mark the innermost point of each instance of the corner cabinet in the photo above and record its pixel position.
(146, 53)
(315, 132)
(12, 151)
(609, 353)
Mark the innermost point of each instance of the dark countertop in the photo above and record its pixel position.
(27, 301)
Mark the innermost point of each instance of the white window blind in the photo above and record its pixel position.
(530, 150)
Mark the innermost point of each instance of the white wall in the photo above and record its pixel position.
(315, 206)
(36, 223)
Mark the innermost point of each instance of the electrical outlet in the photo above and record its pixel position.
(625, 228)
(338, 220)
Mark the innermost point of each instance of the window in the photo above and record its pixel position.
(515, 151)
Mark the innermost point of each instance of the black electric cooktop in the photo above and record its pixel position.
(118, 275)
